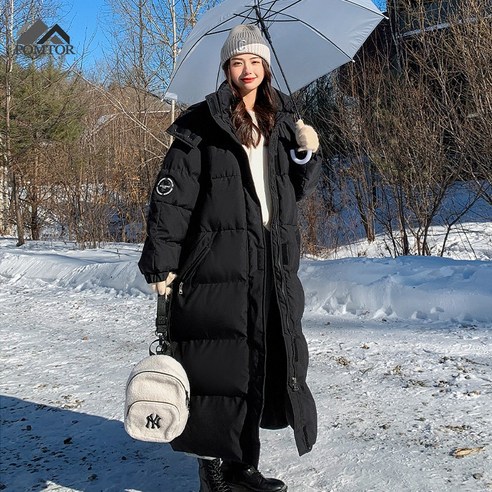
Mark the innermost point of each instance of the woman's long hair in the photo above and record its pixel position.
(265, 109)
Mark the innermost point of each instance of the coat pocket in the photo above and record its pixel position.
(194, 260)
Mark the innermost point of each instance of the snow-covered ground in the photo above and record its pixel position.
(401, 369)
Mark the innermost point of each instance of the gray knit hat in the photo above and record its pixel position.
(242, 39)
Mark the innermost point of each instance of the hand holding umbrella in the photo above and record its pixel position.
(308, 140)
(306, 137)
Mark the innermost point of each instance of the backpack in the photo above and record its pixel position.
(157, 399)
(158, 390)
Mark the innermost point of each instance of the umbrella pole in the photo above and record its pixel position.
(269, 39)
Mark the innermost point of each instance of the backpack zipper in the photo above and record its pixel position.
(163, 374)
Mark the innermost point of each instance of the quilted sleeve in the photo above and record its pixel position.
(173, 199)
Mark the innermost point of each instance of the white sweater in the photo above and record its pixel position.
(258, 163)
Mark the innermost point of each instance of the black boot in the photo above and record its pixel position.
(245, 478)
(211, 478)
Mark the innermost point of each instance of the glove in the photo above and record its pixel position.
(163, 288)
(306, 137)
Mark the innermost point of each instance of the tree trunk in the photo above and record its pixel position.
(7, 157)
(18, 212)
(34, 200)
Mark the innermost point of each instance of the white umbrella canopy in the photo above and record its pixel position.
(308, 39)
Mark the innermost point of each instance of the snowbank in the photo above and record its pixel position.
(402, 288)
(428, 288)
(113, 267)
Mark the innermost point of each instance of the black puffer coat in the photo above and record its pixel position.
(205, 224)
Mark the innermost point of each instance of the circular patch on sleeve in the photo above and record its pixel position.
(164, 186)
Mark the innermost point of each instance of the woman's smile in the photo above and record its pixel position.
(247, 73)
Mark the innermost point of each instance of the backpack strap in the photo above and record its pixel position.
(162, 326)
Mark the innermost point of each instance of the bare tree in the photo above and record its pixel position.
(469, 47)
(7, 166)
(406, 109)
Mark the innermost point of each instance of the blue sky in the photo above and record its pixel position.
(83, 21)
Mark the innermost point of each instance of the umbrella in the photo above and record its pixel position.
(308, 39)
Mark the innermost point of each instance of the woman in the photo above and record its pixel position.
(223, 228)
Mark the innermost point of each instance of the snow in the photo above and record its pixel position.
(425, 288)
(401, 370)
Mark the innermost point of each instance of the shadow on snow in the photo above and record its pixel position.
(48, 447)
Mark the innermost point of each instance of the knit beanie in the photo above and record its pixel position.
(242, 39)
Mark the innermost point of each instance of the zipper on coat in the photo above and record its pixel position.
(277, 260)
(292, 381)
(265, 322)
(194, 265)
(294, 384)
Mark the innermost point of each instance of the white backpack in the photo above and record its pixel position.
(157, 399)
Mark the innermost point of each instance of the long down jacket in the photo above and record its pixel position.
(205, 224)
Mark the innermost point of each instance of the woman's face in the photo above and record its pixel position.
(247, 72)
